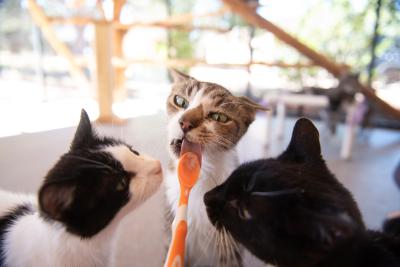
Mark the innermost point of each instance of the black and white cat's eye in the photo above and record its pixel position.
(132, 150)
(219, 117)
(181, 102)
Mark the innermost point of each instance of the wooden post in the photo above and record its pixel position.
(104, 71)
(120, 91)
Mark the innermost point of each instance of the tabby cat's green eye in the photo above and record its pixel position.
(181, 102)
(219, 117)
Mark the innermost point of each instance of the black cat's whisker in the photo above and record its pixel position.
(213, 179)
(231, 248)
(90, 161)
(278, 192)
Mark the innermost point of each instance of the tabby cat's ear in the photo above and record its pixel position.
(304, 144)
(251, 104)
(55, 199)
(251, 109)
(84, 131)
(178, 76)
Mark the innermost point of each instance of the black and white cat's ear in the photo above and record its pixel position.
(178, 76)
(55, 199)
(84, 131)
(304, 144)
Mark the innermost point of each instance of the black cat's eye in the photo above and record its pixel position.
(242, 212)
(248, 187)
(279, 193)
(181, 102)
(219, 117)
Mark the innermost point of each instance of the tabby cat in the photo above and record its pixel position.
(207, 114)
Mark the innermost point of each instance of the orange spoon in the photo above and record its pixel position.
(188, 174)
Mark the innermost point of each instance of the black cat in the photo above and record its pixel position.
(291, 211)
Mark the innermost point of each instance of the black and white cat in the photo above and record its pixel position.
(80, 204)
(291, 211)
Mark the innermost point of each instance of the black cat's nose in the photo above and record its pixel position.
(212, 198)
(186, 126)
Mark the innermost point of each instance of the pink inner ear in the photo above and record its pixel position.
(56, 198)
(191, 147)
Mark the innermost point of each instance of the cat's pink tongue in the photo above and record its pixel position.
(191, 147)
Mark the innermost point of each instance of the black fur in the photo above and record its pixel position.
(291, 211)
(7, 221)
(392, 226)
(87, 186)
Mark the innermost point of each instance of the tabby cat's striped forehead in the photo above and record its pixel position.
(211, 96)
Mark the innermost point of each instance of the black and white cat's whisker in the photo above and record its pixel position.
(89, 161)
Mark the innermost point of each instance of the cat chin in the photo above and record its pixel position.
(175, 147)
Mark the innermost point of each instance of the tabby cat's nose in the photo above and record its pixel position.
(186, 126)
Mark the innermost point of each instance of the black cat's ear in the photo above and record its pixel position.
(84, 131)
(55, 199)
(328, 230)
(324, 230)
(304, 144)
(178, 76)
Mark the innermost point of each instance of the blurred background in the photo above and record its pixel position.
(334, 61)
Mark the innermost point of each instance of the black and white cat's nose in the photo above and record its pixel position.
(186, 126)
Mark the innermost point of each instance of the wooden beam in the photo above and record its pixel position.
(125, 27)
(250, 15)
(72, 20)
(40, 18)
(180, 20)
(179, 27)
(122, 63)
(118, 5)
(378, 102)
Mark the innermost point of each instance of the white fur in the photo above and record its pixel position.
(33, 241)
(216, 167)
